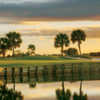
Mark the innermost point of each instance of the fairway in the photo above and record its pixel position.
(39, 61)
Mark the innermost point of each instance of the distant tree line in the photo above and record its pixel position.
(13, 40)
(94, 54)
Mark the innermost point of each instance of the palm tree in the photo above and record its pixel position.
(15, 40)
(31, 49)
(61, 40)
(4, 45)
(78, 36)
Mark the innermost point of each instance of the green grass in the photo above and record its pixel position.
(35, 58)
(38, 61)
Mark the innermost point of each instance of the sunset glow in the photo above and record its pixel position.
(39, 21)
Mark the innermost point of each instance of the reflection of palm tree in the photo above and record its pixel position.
(61, 40)
(15, 40)
(81, 90)
(21, 74)
(78, 36)
(36, 73)
(5, 76)
(28, 74)
(62, 94)
(63, 89)
(13, 78)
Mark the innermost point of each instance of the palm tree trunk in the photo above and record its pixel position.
(62, 49)
(13, 52)
(79, 46)
(3, 53)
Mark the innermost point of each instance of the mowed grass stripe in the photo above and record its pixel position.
(43, 61)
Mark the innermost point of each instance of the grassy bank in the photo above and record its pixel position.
(39, 61)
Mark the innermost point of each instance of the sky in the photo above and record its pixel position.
(38, 21)
(16, 11)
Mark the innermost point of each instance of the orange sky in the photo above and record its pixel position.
(38, 22)
(42, 34)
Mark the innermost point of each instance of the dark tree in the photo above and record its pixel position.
(78, 36)
(4, 45)
(61, 40)
(31, 49)
(15, 40)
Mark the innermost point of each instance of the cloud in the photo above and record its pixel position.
(91, 32)
(24, 1)
(21, 10)
(48, 29)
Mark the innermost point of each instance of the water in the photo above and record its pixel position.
(46, 91)
(48, 79)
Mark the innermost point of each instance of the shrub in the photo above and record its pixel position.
(32, 85)
(71, 52)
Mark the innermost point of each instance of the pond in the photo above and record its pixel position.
(46, 91)
(48, 79)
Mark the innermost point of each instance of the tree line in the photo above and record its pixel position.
(62, 40)
(13, 40)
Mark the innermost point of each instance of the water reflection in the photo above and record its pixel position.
(71, 72)
(47, 91)
(76, 77)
